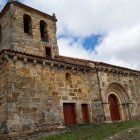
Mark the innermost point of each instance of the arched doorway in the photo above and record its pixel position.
(113, 106)
(116, 101)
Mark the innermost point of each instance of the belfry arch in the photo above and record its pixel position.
(116, 103)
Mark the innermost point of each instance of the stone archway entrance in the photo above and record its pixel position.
(113, 106)
(116, 103)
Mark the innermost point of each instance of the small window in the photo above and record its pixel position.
(43, 31)
(27, 24)
(68, 78)
(48, 51)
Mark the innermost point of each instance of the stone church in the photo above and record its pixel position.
(40, 88)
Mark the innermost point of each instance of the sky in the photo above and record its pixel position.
(98, 30)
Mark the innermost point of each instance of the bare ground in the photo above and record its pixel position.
(130, 134)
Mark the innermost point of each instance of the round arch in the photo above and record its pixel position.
(122, 99)
(113, 106)
(44, 31)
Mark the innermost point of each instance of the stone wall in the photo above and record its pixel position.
(13, 31)
(3, 98)
(6, 30)
(35, 95)
(128, 82)
(34, 89)
(134, 87)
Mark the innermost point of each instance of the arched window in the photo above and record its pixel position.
(0, 35)
(27, 24)
(68, 78)
(43, 31)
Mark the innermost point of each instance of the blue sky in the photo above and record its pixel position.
(2, 2)
(98, 30)
(92, 41)
(89, 42)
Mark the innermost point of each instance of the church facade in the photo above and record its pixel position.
(40, 88)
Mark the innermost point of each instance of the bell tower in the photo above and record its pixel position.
(28, 30)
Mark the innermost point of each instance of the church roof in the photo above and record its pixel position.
(96, 63)
(73, 60)
(64, 60)
(55, 59)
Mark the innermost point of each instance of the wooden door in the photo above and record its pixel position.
(69, 113)
(114, 110)
(85, 113)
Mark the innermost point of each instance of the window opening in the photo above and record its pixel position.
(68, 78)
(43, 31)
(48, 51)
(27, 24)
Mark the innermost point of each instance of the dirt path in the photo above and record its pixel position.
(130, 134)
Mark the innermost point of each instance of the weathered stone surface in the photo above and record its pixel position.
(33, 93)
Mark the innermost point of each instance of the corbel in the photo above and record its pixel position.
(43, 63)
(58, 65)
(116, 71)
(25, 60)
(72, 68)
(65, 66)
(34, 62)
(136, 74)
(6, 57)
(124, 73)
(14, 58)
(51, 65)
(109, 70)
(84, 70)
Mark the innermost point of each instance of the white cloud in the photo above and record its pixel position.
(68, 47)
(121, 48)
(117, 19)
(83, 18)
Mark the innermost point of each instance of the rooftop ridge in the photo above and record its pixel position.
(66, 61)
(41, 57)
(106, 64)
(80, 59)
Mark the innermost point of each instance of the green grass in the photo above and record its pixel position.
(93, 131)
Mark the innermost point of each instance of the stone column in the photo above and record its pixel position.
(79, 113)
(107, 111)
(122, 110)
